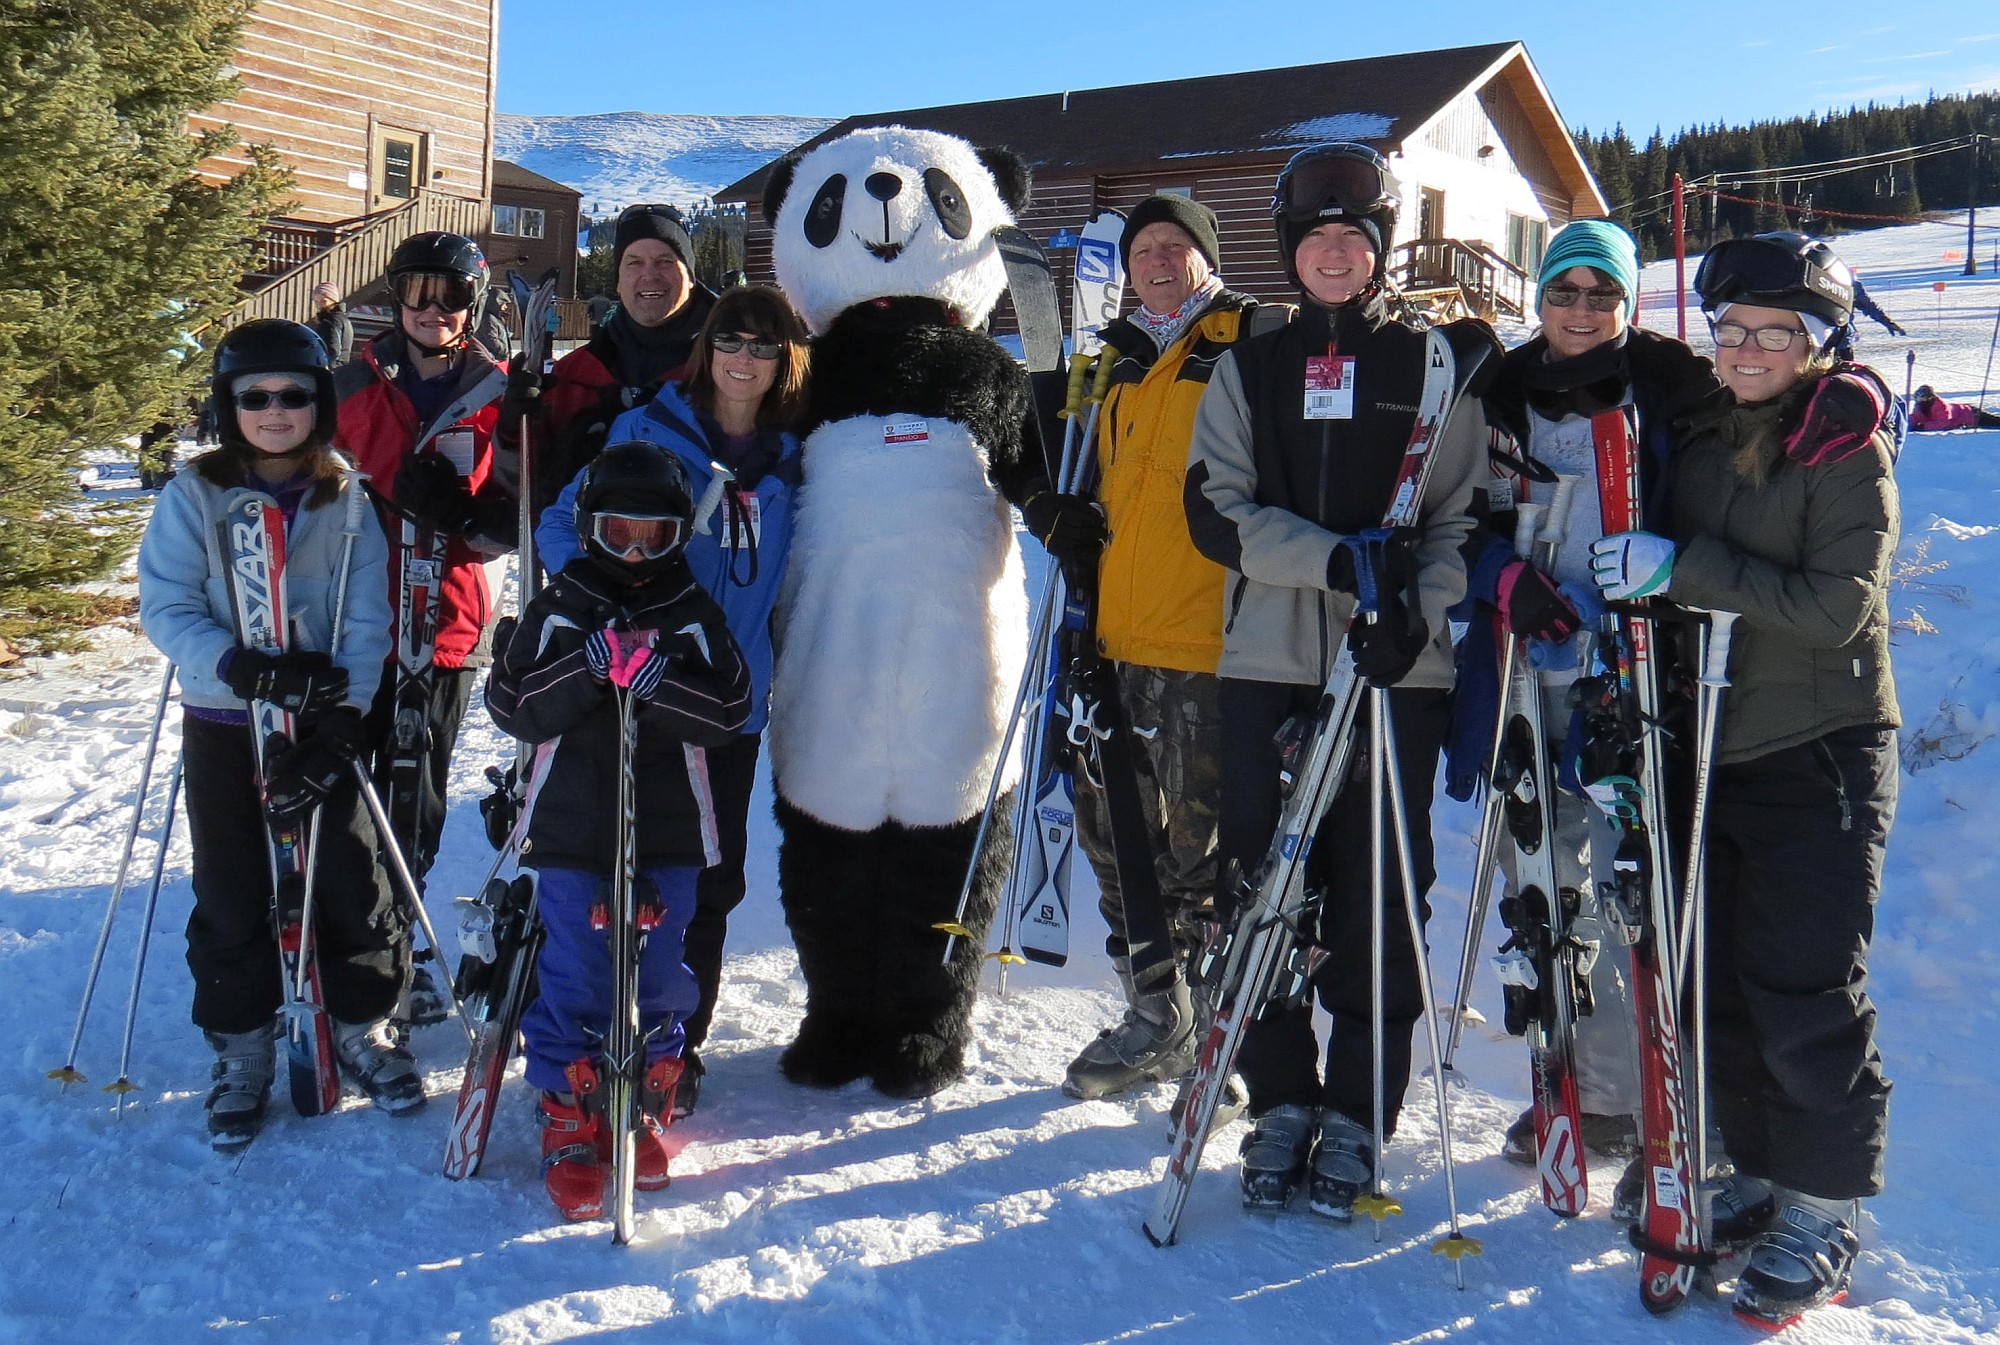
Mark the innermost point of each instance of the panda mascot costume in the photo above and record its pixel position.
(902, 623)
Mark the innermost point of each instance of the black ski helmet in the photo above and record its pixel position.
(641, 479)
(447, 253)
(1344, 180)
(1778, 270)
(271, 346)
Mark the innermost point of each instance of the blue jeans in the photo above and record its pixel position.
(572, 1012)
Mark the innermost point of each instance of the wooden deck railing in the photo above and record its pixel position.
(350, 254)
(1487, 284)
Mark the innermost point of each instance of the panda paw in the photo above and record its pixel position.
(918, 1065)
(826, 1054)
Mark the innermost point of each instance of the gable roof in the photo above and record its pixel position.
(509, 174)
(1383, 100)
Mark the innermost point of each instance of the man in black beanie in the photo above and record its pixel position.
(646, 342)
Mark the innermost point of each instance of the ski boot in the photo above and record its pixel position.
(424, 1005)
(687, 1094)
(1343, 1164)
(1802, 1261)
(1154, 1040)
(1274, 1156)
(245, 1063)
(1740, 1208)
(1605, 1136)
(657, 1094)
(572, 1169)
(1628, 1198)
(385, 1071)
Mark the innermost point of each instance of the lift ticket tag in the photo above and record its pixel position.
(1329, 387)
(906, 432)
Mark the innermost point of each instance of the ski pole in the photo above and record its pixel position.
(123, 1084)
(1455, 1246)
(401, 869)
(1377, 1204)
(624, 1047)
(1486, 857)
(66, 1073)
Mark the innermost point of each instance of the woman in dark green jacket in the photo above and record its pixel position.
(1785, 511)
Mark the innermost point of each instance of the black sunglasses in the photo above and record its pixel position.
(729, 344)
(292, 399)
(1602, 299)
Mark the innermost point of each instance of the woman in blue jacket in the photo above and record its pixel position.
(743, 391)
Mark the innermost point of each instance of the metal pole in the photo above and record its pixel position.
(1972, 210)
(123, 1084)
(1680, 259)
(401, 869)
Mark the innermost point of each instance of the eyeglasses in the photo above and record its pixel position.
(443, 290)
(1729, 335)
(256, 399)
(728, 343)
(1601, 298)
(649, 534)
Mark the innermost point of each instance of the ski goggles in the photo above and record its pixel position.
(1600, 298)
(1767, 273)
(1730, 335)
(258, 399)
(651, 535)
(728, 343)
(443, 290)
(1348, 184)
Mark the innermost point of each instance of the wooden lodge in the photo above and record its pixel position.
(383, 110)
(1486, 164)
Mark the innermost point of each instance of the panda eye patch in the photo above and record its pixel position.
(949, 202)
(822, 223)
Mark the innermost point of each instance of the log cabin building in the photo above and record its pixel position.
(533, 226)
(383, 110)
(1487, 167)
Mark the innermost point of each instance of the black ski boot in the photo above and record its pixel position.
(1740, 1208)
(1803, 1261)
(370, 1055)
(1605, 1136)
(1154, 1040)
(1343, 1165)
(245, 1063)
(1274, 1156)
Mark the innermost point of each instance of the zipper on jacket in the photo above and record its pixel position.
(1235, 603)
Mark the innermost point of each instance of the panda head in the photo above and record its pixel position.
(888, 212)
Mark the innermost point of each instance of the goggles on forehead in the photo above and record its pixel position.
(443, 290)
(649, 534)
(1348, 184)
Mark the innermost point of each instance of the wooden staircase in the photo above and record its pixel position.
(1446, 279)
(350, 254)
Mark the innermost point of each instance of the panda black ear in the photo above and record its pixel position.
(1011, 173)
(777, 185)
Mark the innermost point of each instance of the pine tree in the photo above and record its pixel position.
(116, 258)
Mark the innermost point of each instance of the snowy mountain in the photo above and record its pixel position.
(999, 1211)
(617, 158)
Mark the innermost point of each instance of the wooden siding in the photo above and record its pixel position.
(533, 256)
(319, 80)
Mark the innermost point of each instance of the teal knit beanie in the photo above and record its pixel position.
(1596, 243)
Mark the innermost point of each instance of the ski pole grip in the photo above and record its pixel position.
(1555, 526)
(357, 500)
(1715, 667)
(1367, 546)
(719, 480)
(1527, 521)
(1079, 373)
(1107, 360)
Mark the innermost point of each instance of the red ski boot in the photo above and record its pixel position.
(572, 1137)
(656, 1110)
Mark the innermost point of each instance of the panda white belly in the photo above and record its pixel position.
(902, 627)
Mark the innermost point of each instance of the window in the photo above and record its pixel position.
(520, 221)
(1526, 239)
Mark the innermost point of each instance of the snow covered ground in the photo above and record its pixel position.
(616, 158)
(1000, 1211)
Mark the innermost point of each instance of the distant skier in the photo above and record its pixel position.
(1864, 304)
(272, 398)
(627, 612)
(1928, 411)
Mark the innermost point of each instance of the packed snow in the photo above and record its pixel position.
(617, 158)
(999, 1211)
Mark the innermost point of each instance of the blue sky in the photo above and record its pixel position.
(1665, 63)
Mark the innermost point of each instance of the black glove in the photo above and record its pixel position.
(1070, 526)
(304, 682)
(430, 490)
(1386, 648)
(1533, 607)
(301, 774)
(524, 392)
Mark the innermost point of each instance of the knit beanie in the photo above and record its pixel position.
(661, 222)
(1196, 220)
(1599, 244)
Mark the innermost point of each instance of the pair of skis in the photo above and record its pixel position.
(1250, 962)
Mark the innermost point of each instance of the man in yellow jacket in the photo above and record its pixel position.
(1159, 620)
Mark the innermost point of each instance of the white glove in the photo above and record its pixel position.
(1631, 564)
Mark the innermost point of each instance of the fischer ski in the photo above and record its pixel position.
(1626, 776)
(252, 537)
(1247, 963)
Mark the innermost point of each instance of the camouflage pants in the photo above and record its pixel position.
(1178, 732)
